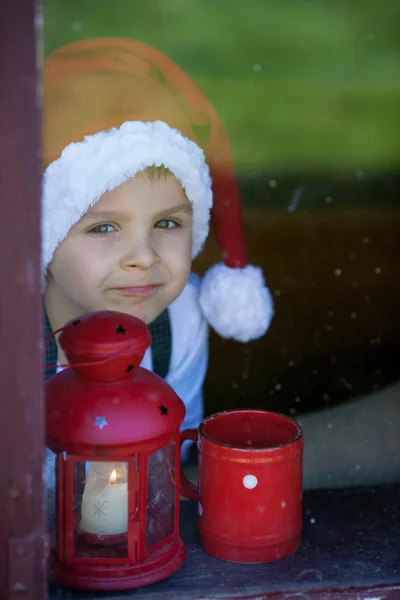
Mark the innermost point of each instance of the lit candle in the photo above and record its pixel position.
(104, 508)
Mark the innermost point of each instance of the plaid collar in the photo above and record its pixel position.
(161, 345)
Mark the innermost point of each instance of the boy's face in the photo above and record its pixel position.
(131, 252)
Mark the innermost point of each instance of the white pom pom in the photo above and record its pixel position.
(236, 302)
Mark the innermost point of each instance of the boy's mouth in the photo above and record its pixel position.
(139, 290)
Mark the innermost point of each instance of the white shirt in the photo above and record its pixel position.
(189, 355)
(188, 364)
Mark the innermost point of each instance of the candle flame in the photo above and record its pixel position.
(113, 476)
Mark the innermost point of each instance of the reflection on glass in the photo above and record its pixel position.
(160, 519)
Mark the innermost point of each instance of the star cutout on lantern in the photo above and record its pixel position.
(163, 409)
(101, 422)
(120, 329)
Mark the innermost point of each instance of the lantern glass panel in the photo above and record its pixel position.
(161, 493)
(100, 509)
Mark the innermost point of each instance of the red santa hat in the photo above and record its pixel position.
(112, 108)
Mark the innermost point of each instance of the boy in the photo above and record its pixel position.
(127, 196)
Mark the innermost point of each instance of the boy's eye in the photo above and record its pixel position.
(166, 224)
(102, 229)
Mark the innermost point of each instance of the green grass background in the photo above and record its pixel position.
(304, 84)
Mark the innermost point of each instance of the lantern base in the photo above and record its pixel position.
(102, 539)
(83, 576)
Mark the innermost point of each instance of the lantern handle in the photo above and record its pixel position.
(91, 363)
(187, 489)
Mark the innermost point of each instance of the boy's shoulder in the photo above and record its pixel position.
(193, 284)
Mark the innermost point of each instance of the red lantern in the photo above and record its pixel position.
(114, 427)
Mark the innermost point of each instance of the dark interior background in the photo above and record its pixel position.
(333, 271)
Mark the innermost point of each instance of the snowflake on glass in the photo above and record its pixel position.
(161, 466)
(157, 498)
(161, 494)
(167, 508)
(100, 508)
(157, 471)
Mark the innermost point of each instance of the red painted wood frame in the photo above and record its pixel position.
(22, 523)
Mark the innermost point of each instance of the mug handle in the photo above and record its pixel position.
(187, 489)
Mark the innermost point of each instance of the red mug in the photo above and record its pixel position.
(250, 472)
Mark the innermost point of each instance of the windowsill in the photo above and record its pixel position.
(351, 539)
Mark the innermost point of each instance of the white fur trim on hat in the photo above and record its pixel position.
(103, 161)
(236, 302)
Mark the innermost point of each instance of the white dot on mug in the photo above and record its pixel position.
(250, 481)
(200, 509)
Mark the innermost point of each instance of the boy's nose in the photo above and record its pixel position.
(142, 256)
